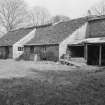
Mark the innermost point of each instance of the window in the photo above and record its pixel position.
(20, 48)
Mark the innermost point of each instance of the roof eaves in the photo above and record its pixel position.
(41, 44)
(93, 18)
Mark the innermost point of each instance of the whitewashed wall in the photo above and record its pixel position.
(77, 35)
(21, 43)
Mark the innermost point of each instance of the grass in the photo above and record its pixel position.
(54, 87)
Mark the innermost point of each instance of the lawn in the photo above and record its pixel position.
(30, 83)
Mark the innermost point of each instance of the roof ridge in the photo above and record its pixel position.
(85, 17)
(32, 27)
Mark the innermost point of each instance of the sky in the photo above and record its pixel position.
(71, 8)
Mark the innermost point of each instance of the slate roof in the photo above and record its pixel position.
(56, 33)
(46, 34)
(13, 36)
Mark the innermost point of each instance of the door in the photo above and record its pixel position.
(4, 52)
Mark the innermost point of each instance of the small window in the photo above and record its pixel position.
(20, 48)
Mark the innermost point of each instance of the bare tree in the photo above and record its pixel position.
(59, 18)
(40, 16)
(97, 9)
(12, 13)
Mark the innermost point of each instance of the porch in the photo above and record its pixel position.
(95, 54)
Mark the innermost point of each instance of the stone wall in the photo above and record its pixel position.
(45, 52)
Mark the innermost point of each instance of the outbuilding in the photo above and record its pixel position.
(51, 43)
(95, 41)
(48, 42)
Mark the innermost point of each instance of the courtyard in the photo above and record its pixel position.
(50, 83)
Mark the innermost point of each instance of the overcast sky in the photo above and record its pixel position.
(71, 8)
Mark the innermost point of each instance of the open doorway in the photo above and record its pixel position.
(4, 52)
(93, 55)
(76, 51)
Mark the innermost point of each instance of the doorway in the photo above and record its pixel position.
(76, 51)
(4, 52)
(93, 55)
